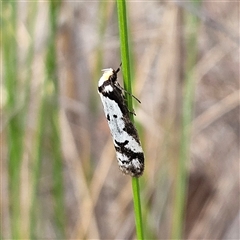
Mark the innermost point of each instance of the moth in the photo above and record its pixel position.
(129, 151)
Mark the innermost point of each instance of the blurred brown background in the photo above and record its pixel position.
(59, 174)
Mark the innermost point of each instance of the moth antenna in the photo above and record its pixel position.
(119, 86)
(119, 68)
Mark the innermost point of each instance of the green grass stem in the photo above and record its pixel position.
(124, 46)
(36, 171)
(125, 56)
(48, 132)
(55, 154)
(187, 113)
(15, 131)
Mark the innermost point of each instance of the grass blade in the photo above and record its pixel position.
(15, 131)
(187, 112)
(123, 31)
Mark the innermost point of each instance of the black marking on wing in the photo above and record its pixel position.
(100, 89)
(127, 166)
(116, 95)
(130, 169)
(126, 151)
(118, 98)
(130, 129)
(130, 154)
(114, 115)
(108, 117)
(121, 144)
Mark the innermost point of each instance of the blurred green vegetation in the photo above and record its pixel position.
(47, 134)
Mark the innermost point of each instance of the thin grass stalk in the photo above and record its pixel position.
(15, 131)
(102, 26)
(48, 125)
(17, 89)
(36, 168)
(29, 61)
(125, 56)
(103, 16)
(51, 70)
(187, 113)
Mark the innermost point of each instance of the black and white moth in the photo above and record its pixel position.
(125, 137)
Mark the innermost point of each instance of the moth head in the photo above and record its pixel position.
(108, 74)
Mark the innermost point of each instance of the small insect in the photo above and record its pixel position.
(125, 137)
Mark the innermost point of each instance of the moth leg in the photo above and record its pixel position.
(133, 113)
(121, 88)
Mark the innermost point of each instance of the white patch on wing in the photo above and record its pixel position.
(136, 163)
(108, 89)
(123, 162)
(117, 125)
(122, 158)
(125, 165)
